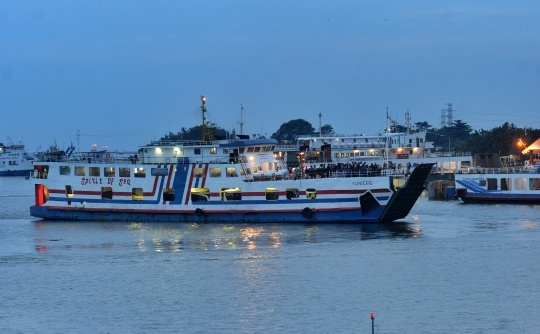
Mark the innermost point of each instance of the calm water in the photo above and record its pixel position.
(447, 268)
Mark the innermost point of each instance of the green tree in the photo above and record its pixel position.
(422, 126)
(327, 129)
(291, 129)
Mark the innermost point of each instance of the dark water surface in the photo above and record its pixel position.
(447, 268)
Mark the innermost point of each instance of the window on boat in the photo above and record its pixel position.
(244, 171)
(291, 193)
(109, 172)
(124, 172)
(272, 194)
(534, 183)
(198, 172)
(137, 194)
(106, 193)
(197, 151)
(257, 149)
(491, 184)
(161, 171)
(225, 150)
(242, 150)
(311, 193)
(254, 169)
(139, 172)
(168, 194)
(230, 194)
(200, 195)
(520, 183)
(231, 172)
(506, 183)
(215, 172)
(80, 171)
(69, 191)
(250, 149)
(65, 170)
(213, 150)
(93, 171)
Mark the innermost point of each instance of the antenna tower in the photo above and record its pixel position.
(408, 121)
(449, 119)
(241, 121)
(206, 131)
(443, 118)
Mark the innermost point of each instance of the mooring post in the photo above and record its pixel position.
(372, 323)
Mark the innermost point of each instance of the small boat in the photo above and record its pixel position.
(216, 181)
(14, 160)
(519, 184)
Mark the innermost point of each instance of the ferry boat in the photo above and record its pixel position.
(518, 184)
(226, 180)
(400, 151)
(14, 160)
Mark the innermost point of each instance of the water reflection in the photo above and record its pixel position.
(177, 237)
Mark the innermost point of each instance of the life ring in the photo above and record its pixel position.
(198, 212)
(307, 212)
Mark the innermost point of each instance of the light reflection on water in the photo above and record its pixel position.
(175, 237)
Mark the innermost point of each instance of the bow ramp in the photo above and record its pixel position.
(402, 201)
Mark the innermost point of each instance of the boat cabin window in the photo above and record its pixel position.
(311, 193)
(198, 172)
(69, 191)
(106, 193)
(213, 150)
(534, 183)
(241, 150)
(93, 171)
(491, 184)
(109, 172)
(215, 172)
(230, 194)
(231, 172)
(272, 194)
(168, 194)
(139, 172)
(250, 149)
(197, 151)
(124, 172)
(225, 150)
(65, 170)
(80, 171)
(200, 195)
(506, 184)
(291, 193)
(520, 183)
(257, 149)
(137, 194)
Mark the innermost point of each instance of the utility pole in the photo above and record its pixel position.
(320, 127)
(408, 121)
(241, 121)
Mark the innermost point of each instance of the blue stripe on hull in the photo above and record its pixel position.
(16, 172)
(343, 216)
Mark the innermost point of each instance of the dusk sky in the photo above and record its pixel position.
(126, 72)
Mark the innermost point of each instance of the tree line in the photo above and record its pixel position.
(506, 139)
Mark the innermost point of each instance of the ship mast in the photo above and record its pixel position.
(206, 131)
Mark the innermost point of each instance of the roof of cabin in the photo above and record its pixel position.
(250, 142)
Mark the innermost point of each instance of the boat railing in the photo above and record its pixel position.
(495, 170)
